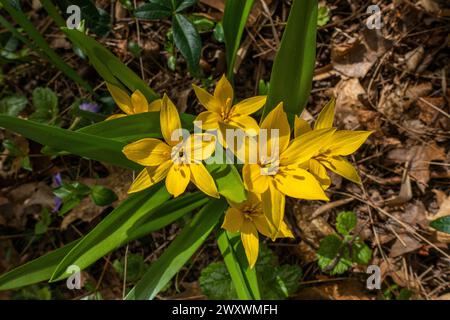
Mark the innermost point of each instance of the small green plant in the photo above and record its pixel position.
(441, 224)
(323, 16)
(337, 252)
(275, 281)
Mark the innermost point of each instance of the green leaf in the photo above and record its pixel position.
(135, 267)
(12, 105)
(85, 145)
(110, 68)
(346, 222)
(179, 251)
(45, 102)
(228, 180)
(134, 127)
(216, 283)
(441, 224)
(218, 32)
(187, 41)
(42, 225)
(234, 19)
(323, 16)
(201, 23)
(361, 253)
(244, 279)
(329, 248)
(102, 196)
(112, 231)
(184, 4)
(152, 11)
(42, 268)
(40, 42)
(293, 68)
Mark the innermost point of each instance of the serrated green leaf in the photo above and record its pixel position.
(215, 282)
(135, 267)
(329, 248)
(346, 222)
(12, 105)
(441, 224)
(45, 102)
(361, 253)
(188, 41)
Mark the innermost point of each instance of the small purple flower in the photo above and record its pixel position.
(89, 106)
(57, 182)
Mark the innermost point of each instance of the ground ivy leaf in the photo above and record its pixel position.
(329, 248)
(346, 222)
(361, 253)
(216, 283)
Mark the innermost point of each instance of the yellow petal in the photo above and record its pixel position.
(342, 167)
(224, 92)
(233, 220)
(284, 231)
(326, 116)
(150, 176)
(203, 180)
(116, 116)
(148, 152)
(263, 225)
(207, 100)
(301, 126)
(246, 124)
(121, 98)
(170, 120)
(155, 105)
(320, 173)
(299, 183)
(253, 180)
(250, 241)
(345, 142)
(273, 202)
(209, 120)
(139, 101)
(249, 106)
(277, 119)
(303, 148)
(199, 147)
(177, 179)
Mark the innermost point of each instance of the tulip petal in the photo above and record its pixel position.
(155, 106)
(326, 116)
(303, 148)
(250, 241)
(342, 167)
(203, 180)
(199, 146)
(116, 116)
(224, 92)
(170, 120)
(320, 173)
(299, 183)
(345, 142)
(273, 202)
(121, 98)
(277, 119)
(284, 231)
(177, 179)
(207, 100)
(263, 225)
(246, 124)
(139, 102)
(301, 126)
(209, 120)
(233, 220)
(148, 152)
(253, 180)
(249, 106)
(150, 176)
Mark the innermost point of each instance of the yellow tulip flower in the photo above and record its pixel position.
(220, 109)
(331, 156)
(280, 174)
(178, 159)
(135, 104)
(248, 218)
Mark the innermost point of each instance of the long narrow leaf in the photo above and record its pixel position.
(108, 65)
(112, 231)
(293, 68)
(34, 34)
(82, 144)
(234, 19)
(179, 252)
(42, 268)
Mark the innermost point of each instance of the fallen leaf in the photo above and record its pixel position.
(404, 244)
